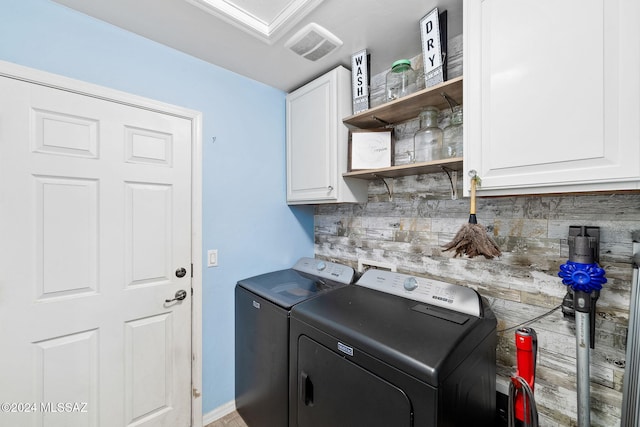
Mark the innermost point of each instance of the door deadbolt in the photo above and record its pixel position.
(181, 272)
(180, 295)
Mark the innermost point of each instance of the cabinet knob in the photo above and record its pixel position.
(330, 188)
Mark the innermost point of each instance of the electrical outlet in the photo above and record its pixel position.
(212, 258)
(366, 264)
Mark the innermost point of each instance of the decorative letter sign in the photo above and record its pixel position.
(431, 49)
(360, 81)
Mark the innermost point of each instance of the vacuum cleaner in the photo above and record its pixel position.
(585, 278)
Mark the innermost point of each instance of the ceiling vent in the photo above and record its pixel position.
(313, 42)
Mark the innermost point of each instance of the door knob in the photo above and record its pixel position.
(181, 272)
(179, 296)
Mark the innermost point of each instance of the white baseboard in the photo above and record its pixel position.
(219, 412)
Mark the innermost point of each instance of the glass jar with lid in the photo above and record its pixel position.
(427, 141)
(452, 139)
(400, 80)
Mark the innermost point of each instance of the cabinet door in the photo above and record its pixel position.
(552, 95)
(317, 142)
(311, 145)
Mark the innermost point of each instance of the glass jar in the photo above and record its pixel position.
(427, 141)
(400, 80)
(452, 141)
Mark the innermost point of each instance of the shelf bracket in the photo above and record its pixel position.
(386, 185)
(384, 122)
(452, 102)
(453, 180)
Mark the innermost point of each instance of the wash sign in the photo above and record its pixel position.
(360, 81)
(431, 49)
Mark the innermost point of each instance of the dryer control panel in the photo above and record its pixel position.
(433, 292)
(325, 269)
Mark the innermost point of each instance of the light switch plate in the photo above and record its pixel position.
(212, 258)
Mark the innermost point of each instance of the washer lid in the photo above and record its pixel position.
(288, 287)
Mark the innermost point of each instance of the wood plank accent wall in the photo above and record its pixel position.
(532, 231)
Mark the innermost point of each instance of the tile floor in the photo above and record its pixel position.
(231, 420)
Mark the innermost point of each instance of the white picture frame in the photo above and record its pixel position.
(371, 149)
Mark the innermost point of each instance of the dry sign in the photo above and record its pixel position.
(431, 48)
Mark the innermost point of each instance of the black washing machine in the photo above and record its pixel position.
(262, 306)
(393, 350)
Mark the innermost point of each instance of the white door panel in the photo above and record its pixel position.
(96, 218)
(67, 371)
(148, 368)
(66, 233)
(148, 244)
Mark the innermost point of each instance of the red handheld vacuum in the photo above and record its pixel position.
(522, 405)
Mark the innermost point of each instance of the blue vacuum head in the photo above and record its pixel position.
(582, 277)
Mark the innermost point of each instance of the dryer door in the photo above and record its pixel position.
(333, 391)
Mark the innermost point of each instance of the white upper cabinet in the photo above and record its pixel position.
(317, 142)
(552, 95)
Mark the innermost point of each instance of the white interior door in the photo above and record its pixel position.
(95, 220)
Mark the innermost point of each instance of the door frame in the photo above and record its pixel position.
(43, 78)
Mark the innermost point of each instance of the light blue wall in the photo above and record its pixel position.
(245, 215)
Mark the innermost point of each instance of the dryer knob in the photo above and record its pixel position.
(410, 283)
(321, 266)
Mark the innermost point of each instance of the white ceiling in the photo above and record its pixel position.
(248, 36)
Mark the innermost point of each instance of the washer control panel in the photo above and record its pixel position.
(325, 269)
(434, 292)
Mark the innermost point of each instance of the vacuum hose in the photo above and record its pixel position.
(530, 409)
(522, 405)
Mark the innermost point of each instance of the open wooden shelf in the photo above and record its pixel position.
(409, 169)
(407, 107)
(401, 110)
